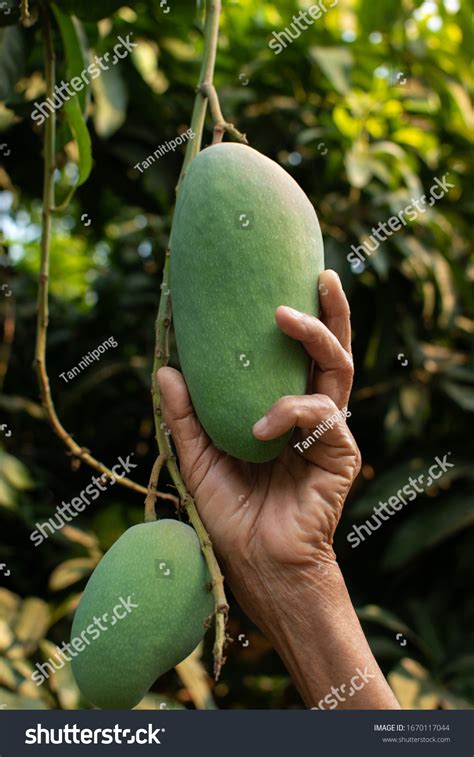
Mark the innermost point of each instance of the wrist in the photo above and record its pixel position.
(306, 613)
(276, 596)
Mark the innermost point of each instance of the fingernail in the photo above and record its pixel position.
(261, 426)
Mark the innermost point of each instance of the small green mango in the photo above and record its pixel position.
(157, 578)
(245, 239)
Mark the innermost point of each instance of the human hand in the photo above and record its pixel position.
(274, 521)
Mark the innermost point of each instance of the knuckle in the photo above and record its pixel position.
(326, 404)
(346, 364)
(284, 405)
(356, 459)
(311, 327)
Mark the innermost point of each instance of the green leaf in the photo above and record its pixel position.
(61, 681)
(387, 483)
(76, 61)
(17, 702)
(70, 572)
(7, 495)
(357, 166)
(336, 63)
(14, 472)
(75, 107)
(450, 513)
(385, 648)
(384, 618)
(70, 264)
(462, 395)
(427, 630)
(378, 16)
(425, 144)
(81, 134)
(463, 105)
(110, 99)
(12, 59)
(32, 622)
(413, 686)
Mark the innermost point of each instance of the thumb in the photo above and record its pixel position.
(190, 439)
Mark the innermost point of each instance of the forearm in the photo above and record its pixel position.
(308, 616)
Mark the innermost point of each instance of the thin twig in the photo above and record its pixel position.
(162, 437)
(43, 307)
(25, 12)
(205, 92)
(150, 500)
(205, 88)
(8, 333)
(14, 404)
(221, 126)
(57, 209)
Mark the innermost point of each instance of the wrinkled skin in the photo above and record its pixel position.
(273, 521)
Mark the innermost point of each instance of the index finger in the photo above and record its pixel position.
(333, 367)
(335, 311)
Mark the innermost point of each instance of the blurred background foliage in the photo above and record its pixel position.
(364, 109)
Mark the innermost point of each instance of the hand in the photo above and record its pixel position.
(276, 520)
(272, 524)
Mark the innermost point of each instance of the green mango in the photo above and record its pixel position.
(245, 239)
(156, 577)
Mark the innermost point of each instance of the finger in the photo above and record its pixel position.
(335, 311)
(335, 369)
(190, 438)
(316, 413)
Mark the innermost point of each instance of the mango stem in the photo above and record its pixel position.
(205, 93)
(150, 499)
(163, 439)
(221, 126)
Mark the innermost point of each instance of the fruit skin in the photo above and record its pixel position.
(245, 239)
(118, 666)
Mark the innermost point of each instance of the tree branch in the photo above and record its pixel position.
(150, 514)
(221, 126)
(43, 306)
(205, 91)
